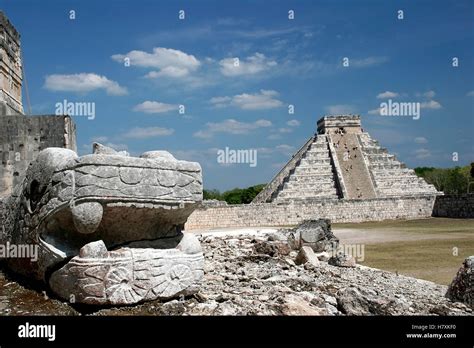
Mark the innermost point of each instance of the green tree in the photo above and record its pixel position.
(456, 181)
(422, 171)
(449, 180)
(436, 177)
(235, 196)
(212, 194)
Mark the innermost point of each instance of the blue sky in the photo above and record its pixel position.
(190, 62)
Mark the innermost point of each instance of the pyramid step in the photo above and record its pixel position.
(380, 156)
(374, 150)
(321, 146)
(324, 171)
(393, 172)
(394, 185)
(404, 192)
(283, 195)
(316, 155)
(312, 161)
(317, 151)
(311, 177)
(309, 184)
(388, 165)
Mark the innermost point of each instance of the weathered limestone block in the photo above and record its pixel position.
(461, 288)
(106, 215)
(342, 260)
(316, 234)
(305, 255)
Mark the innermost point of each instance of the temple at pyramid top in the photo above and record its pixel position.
(336, 124)
(342, 161)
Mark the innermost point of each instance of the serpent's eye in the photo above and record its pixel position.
(35, 194)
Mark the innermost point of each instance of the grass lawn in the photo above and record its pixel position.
(432, 257)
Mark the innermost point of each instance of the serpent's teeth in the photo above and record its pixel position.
(87, 216)
(95, 249)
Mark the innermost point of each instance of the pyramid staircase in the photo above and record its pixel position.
(312, 177)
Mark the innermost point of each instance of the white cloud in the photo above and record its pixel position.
(285, 130)
(220, 102)
(169, 71)
(231, 126)
(429, 94)
(367, 62)
(265, 99)
(421, 140)
(274, 136)
(470, 94)
(83, 83)
(387, 94)
(374, 111)
(432, 104)
(422, 153)
(340, 109)
(293, 123)
(142, 133)
(154, 107)
(250, 66)
(170, 62)
(99, 139)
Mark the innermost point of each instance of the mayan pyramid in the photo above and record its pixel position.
(341, 161)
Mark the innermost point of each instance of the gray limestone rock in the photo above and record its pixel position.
(305, 255)
(342, 260)
(314, 233)
(461, 288)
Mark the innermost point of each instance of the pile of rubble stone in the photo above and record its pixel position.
(292, 272)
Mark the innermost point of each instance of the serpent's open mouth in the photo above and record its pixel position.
(132, 223)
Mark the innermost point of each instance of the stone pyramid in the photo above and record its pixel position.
(341, 161)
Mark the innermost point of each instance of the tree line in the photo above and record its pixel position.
(449, 180)
(235, 196)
